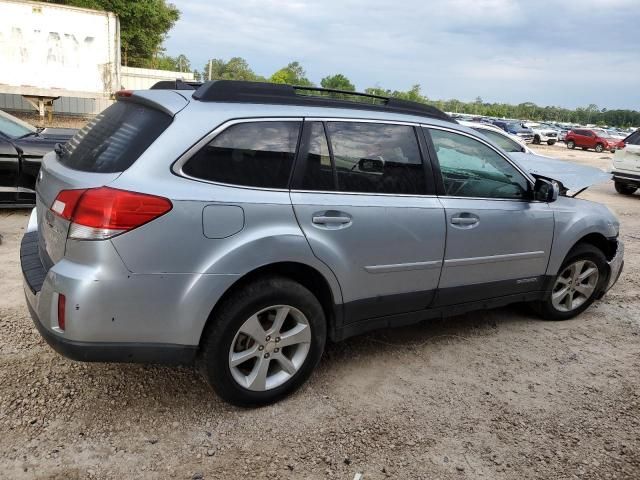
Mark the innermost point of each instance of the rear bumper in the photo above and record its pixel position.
(34, 274)
(626, 178)
(115, 352)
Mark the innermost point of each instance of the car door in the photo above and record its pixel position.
(498, 241)
(9, 170)
(628, 158)
(364, 199)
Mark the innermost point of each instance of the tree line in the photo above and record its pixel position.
(144, 25)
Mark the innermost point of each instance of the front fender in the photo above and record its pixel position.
(575, 219)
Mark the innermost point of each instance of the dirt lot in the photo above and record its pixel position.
(495, 395)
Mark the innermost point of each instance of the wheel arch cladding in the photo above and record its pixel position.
(307, 276)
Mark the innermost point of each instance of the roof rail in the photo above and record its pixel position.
(237, 91)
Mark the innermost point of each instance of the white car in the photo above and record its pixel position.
(626, 165)
(543, 133)
(509, 143)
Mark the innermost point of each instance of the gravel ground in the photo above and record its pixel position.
(496, 395)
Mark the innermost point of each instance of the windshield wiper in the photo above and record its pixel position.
(30, 134)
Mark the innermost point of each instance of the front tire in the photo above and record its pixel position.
(599, 148)
(581, 278)
(551, 142)
(263, 342)
(625, 189)
(571, 144)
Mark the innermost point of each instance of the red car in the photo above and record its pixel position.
(599, 140)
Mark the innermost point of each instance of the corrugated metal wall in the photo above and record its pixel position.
(69, 105)
(131, 78)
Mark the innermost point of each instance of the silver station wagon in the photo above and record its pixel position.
(238, 226)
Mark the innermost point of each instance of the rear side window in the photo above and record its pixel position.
(376, 158)
(253, 154)
(633, 139)
(318, 172)
(115, 138)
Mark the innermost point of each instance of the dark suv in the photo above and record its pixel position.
(516, 128)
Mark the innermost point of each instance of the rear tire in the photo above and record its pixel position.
(571, 144)
(625, 189)
(580, 279)
(599, 148)
(536, 140)
(276, 330)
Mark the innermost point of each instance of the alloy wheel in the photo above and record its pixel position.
(269, 348)
(575, 285)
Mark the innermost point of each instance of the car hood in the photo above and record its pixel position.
(573, 177)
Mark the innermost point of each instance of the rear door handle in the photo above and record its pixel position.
(464, 221)
(324, 219)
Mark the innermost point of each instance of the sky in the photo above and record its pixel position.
(566, 53)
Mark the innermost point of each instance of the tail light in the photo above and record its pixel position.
(101, 213)
(62, 300)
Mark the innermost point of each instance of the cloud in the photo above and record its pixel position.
(569, 53)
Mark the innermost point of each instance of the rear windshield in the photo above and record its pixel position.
(115, 138)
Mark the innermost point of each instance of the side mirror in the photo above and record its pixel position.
(545, 190)
(371, 165)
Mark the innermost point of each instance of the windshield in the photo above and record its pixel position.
(13, 127)
(503, 141)
(602, 133)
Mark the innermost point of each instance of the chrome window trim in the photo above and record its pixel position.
(177, 167)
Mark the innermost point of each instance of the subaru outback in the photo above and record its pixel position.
(238, 226)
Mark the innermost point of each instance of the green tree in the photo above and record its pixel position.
(292, 74)
(143, 25)
(165, 62)
(338, 82)
(236, 68)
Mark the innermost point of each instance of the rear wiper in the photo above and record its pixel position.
(60, 149)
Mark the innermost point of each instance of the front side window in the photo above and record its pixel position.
(376, 158)
(469, 168)
(253, 154)
(503, 141)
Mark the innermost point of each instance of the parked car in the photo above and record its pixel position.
(240, 225)
(543, 133)
(597, 140)
(21, 149)
(509, 143)
(572, 178)
(626, 165)
(516, 128)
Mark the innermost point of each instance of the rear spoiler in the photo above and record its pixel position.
(167, 101)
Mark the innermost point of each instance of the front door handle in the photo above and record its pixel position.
(465, 220)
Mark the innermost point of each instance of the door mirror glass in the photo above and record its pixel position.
(545, 190)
